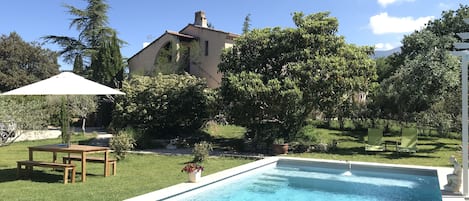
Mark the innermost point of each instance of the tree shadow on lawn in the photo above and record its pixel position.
(227, 144)
(357, 136)
(385, 154)
(9, 175)
(437, 146)
(349, 151)
(397, 155)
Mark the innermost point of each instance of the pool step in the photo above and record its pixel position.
(268, 184)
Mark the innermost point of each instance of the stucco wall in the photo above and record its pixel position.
(144, 61)
(208, 68)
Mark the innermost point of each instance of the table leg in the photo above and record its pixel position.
(83, 166)
(54, 157)
(29, 169)
(106, 163)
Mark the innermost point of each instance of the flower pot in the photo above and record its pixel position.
(194, 177)
(280, 148)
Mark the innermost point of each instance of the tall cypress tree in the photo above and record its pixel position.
(106, 63)
(247, 23)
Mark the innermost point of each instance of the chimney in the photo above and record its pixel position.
(200, 19)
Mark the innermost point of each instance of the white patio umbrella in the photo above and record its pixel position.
(66, 83)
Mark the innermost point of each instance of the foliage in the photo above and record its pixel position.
(121, 143)
(192, 167)
(436, 117)
(78, 106)
(246, 23)
(28, 112)
(309, 133)
(273, 77)
(384, 69)
(106, 64)
(92, 25)
(201, 151)
(78, 65)
(23, 63)
(426, 74)
(162, 106)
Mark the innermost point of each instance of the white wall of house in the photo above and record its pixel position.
(217, 41)
(144, 61)
(206, 65)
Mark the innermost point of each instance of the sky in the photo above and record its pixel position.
(378, 23)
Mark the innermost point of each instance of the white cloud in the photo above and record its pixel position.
(384, 46)
(444, 6)
(145, 44)
(385, 24)
(385, 3)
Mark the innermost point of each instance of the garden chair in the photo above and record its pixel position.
(408, 140)
(375, 140)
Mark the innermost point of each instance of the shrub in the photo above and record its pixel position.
(122, 142)
(163, 106)
(308, 133)
(201, 151)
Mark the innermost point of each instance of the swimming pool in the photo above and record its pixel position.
(300, 179)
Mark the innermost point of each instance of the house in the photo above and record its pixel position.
(196, 49)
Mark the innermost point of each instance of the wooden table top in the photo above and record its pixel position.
(71, 148)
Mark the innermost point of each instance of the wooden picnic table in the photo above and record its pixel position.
(83, 150)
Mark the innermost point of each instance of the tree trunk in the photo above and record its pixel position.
(83, 125)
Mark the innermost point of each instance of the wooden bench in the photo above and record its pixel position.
(29, 164)
(113, 162)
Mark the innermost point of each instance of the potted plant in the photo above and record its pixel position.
(279, 146)
(194, 171)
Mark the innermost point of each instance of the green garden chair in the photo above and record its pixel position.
(375, 140)
(408, 140)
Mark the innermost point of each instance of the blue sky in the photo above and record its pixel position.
(379, 23)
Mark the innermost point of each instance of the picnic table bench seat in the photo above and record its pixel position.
(113, 162)
(29, 164)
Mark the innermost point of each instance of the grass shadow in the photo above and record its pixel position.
(400, 155)
(7, 175)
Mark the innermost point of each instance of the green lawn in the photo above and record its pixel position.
(432, 151)
(136, 175)
(139, 174)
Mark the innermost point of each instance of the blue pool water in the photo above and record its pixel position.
(299, 182)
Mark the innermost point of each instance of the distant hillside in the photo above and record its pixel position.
(385, 53)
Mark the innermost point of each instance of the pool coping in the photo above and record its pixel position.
(181, 188)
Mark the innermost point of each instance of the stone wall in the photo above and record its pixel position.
(29, 135)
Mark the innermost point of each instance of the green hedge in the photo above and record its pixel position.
(163, 106)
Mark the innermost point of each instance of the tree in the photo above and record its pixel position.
(78, 64)
(107, 68)
(92, 23)
(162, 105)
(23, 63)
(281, 75)
(81, 107)
(426, 75)
(106, 64)
(247, 23)
(25, 113)
(77, 106)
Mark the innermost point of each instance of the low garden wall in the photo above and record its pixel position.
(29, 135)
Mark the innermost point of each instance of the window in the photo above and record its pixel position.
(206, 48)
